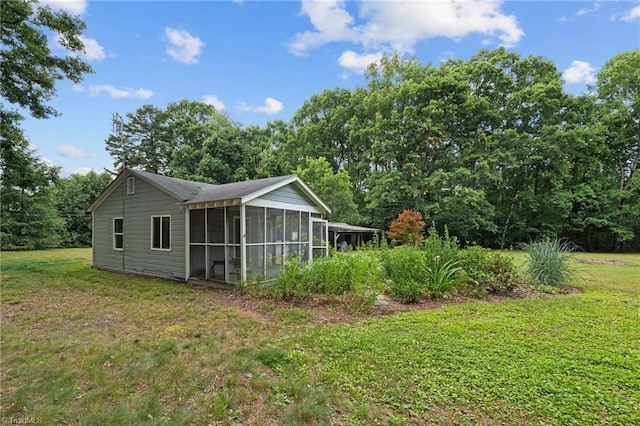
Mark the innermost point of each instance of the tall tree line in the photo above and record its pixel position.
(491, 147)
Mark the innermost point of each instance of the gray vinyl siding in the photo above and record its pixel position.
(103, 254)
(288, 194)
(137, 210)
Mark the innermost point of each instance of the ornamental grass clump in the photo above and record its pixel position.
(441, 276)
(548, 261)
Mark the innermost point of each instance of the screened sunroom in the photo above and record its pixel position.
(252, 238)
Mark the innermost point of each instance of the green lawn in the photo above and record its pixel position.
(81, 346)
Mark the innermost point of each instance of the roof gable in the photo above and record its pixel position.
(179, 189)
(241, 190)
(190, 192)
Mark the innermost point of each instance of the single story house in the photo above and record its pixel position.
(154, 225)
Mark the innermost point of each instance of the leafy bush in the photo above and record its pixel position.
(368, 282)
(489, 271)
(330, 275)
(358, 277)
(289, 285)
(503, 273)
(548, 261)
(405, 268)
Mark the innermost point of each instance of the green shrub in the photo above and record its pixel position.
(368, 282)
(548, 261)
(405, 268)
(358, 277)
(489, 271)
(289, 284)
(503, 273)
(330, 275)
(475, 263)
(443, 247)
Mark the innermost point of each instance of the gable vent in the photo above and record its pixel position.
(131, 186)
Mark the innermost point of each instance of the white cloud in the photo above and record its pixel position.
(113, 92)
(582, 12)
(214, 101)
(74, 7)
(68, 171)
(73, 152)
(358, 63)
(271, 106)
(92, 50)
(331, 21)
(398, 25)
(183, 47)
(631, 15)
(580, 72)
(447, 56)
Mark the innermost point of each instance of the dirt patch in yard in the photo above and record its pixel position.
(334, 310)
(603, 262)
(69, 311)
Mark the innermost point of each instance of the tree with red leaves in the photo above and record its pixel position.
(407, 228)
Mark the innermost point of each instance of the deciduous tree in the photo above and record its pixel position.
(407, 228)
(334, 188)
(72, 196)
(30, 71)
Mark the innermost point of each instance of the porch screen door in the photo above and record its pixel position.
(319, 237)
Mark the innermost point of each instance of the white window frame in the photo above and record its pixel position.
(131, 186)
(160, 248)
(117, 234)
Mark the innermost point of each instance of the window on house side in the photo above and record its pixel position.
(118, 233)
(161, 232)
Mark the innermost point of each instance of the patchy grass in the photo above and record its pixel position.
(82, 346)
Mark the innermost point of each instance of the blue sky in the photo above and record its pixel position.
(260, 60)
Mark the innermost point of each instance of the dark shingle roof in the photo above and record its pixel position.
(229, 191)
(182, 189)
(197, 192)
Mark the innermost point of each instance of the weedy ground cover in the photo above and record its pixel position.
(82, 346)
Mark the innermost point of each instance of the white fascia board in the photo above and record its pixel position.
(268, 189)
(295, 180)
(280, 205)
